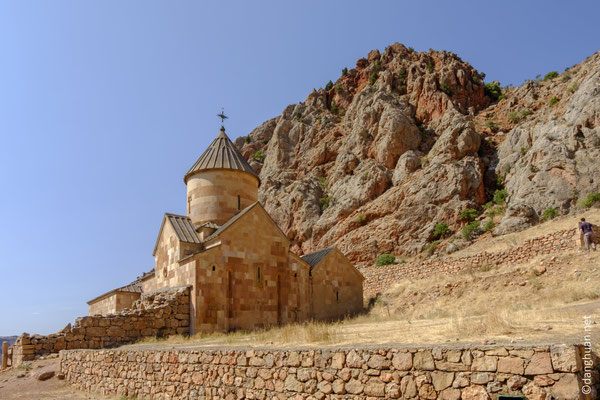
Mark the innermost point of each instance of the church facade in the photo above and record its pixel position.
(235, 258)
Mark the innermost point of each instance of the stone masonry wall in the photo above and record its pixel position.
(378, 279)
(159, 313)
(450, 373)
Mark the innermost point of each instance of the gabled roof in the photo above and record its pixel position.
(237, 217)
(315, 257)
(133, 287)
(183, 227)
(221, 154)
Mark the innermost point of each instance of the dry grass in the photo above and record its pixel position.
(509, 303)
(321, 333)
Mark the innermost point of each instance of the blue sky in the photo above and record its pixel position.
(105, 105)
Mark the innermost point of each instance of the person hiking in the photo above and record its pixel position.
(588, 234)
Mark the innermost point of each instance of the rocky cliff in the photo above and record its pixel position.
(407, 140)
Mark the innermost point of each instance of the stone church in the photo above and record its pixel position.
(235, 258)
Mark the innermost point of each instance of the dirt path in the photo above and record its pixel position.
(27, 387)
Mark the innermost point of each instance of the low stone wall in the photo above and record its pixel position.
(450, 373)
(159, 313)
(378, 279)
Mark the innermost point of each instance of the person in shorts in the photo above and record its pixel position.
(588, 234)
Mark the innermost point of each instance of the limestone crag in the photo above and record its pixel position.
(401, 142)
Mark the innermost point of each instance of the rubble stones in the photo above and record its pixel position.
(321, 374)
(158, 310)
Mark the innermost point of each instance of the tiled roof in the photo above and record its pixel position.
(221, 154)
(184, 228)
(133, 287)
(315, 257)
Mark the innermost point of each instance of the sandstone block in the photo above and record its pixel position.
(564, 358)
(566, 388)
(423, 360)
(339, 386)
(402, 361)
(485, 364)
(374, 387)
(475, 392)
(442, 380)
(539, 364)
(511, 365)
(450, 394)
(338, 360)
(354, 386)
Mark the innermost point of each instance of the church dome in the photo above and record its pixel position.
(221, 154)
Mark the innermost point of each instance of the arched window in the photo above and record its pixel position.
(258, 275)
(337, 296)
(239, 202)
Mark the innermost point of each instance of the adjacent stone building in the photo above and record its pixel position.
(235, 258)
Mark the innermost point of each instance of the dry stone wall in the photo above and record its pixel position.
(159, 313)
(450, 373)
(378, 279)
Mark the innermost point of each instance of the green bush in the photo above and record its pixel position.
(554, 101)
(440, 230)
(487, 206)
(411, 50)
(338, 88)
(325, 202)
(550, 75)
(361, 219)
(470, 229)
(445, 88)
(492, 212)
(525, 112)
(524, 150)
(513, 117)
(493, 90)
(248, 139)
(430, 68)
(572, 88)
(488, 226)
(329, 85)
(500, 196)
(336, 110)
(258, 155)
(591, 199)
(468, 214)
(344, 71)
(429, 248)
(549, 213)
(492, 125)
(385, 259)
(373, 77)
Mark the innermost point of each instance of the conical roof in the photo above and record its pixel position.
(221, 154)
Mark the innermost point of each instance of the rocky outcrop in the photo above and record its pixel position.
(550, 157)
(402, 142)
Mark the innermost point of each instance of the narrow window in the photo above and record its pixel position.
(258, 275)
(337, 296)
(295, 275)
(189, 204)
(213, 267)
(239, 202)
